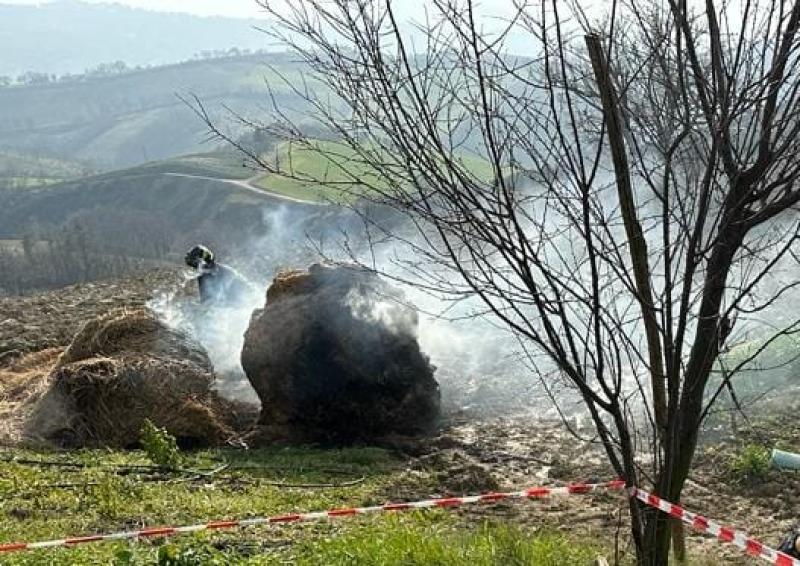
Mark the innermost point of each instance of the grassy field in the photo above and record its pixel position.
(85, 492)
(329, 173)
(332, 171)
(20, 171)
(14, 182)
(216, 164)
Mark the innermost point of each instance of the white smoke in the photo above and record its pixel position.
(219, 329)
(478, 364)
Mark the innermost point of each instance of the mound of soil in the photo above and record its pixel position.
(125, 367)
(333, 357)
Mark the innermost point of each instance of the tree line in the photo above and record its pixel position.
(114, 68)
(87, 247)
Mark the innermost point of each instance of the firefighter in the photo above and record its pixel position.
(218, 284)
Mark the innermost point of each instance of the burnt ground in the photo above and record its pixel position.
(471, 454)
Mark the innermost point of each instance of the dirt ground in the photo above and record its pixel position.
(50, 319)
(470, 454)
(520, 451)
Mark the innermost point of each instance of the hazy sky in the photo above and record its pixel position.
(233, 8)
(250, 8)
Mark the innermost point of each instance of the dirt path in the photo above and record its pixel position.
(247, 184)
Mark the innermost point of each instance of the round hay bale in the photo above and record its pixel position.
(106, 402)
(21, 387)
(334, 359)
(125, 367)
(122, 332)
(289, 282)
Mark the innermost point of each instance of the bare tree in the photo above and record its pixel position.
(617, 198)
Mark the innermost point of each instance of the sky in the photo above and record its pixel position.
(251, 9)
(231, 8)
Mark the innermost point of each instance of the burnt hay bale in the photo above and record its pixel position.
(334, 358)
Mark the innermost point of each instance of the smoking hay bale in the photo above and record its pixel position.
(334, 357)
(290, 282)
(121, 369)
(124, 332)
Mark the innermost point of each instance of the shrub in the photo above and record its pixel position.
(750, 464)
(159, 445)
(198, 555)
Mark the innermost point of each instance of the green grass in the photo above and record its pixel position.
(33, 506)
(27, 182)
(413, 541)
(39, 502)
(332, 171)
(329, 172)
(219, 164)
(261, 77)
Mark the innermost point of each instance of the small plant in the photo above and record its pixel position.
(195, 555)
(159, 445)
(107, 498)
(750, 464)
(123, 557)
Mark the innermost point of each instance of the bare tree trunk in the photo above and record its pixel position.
(633, 228)
(679, 540)
(659, 537)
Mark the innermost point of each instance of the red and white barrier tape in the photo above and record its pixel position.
(726, 534)
(447, 502)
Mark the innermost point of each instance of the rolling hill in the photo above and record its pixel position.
(182, 194)
(150, 214)
(124, 120)
(193, 195)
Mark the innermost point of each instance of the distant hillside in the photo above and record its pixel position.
(329, 172)
(139, 198)
(27, 170)
(136, 117)
(199, 196)
(113, 223)
(69, 37)
(206, 196)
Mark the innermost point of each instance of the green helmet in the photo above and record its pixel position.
(199, 255)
